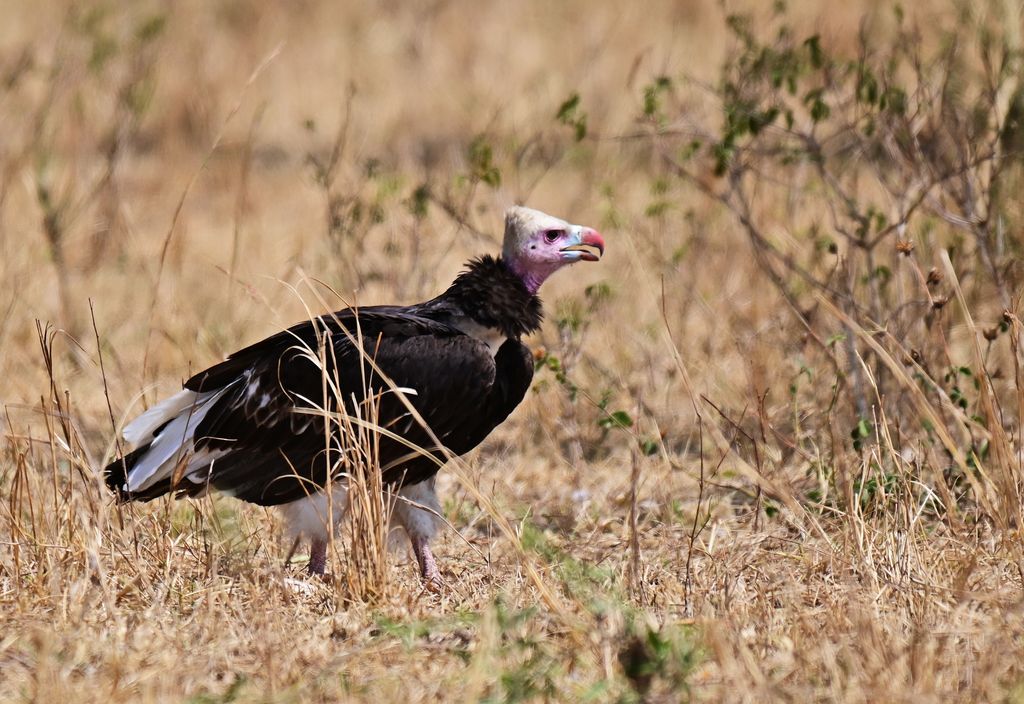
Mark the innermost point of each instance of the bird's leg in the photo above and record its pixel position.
(429, 573)
(291, 553)
(317, 556)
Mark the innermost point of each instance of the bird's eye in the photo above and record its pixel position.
(553, 235)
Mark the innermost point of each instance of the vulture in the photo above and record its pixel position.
(441, 376)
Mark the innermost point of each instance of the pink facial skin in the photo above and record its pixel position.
(537, 245)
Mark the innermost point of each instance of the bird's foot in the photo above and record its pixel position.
(317, 558)
(429, 573)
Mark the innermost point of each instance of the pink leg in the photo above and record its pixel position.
(429, 573)
(317, 557)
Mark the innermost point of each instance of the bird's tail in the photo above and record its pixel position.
(117, 475)
(163, 438)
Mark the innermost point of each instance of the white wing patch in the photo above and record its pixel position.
(140, 430)
(169, 428)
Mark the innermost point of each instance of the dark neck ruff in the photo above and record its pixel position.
(491, 295)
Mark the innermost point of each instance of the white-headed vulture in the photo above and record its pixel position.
(254, 425)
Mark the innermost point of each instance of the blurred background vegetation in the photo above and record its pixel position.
(774, 445)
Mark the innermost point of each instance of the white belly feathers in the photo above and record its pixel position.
(492, 337)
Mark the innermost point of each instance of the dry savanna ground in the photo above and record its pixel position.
(773, 447)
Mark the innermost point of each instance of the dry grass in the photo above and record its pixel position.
(175, 183)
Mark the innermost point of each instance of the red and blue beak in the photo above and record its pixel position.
(582, 243)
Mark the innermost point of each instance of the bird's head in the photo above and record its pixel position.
(537, 245)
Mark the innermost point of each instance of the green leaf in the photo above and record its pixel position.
(569, 113)
(481, 158)
(649, 446)
(835, 338)
(819, 108)
(151, 28)
(653, 93)
(568, 107)
(419, 200)
(813, 45)
(617, 419)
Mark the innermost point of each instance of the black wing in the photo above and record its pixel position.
(266, 446)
